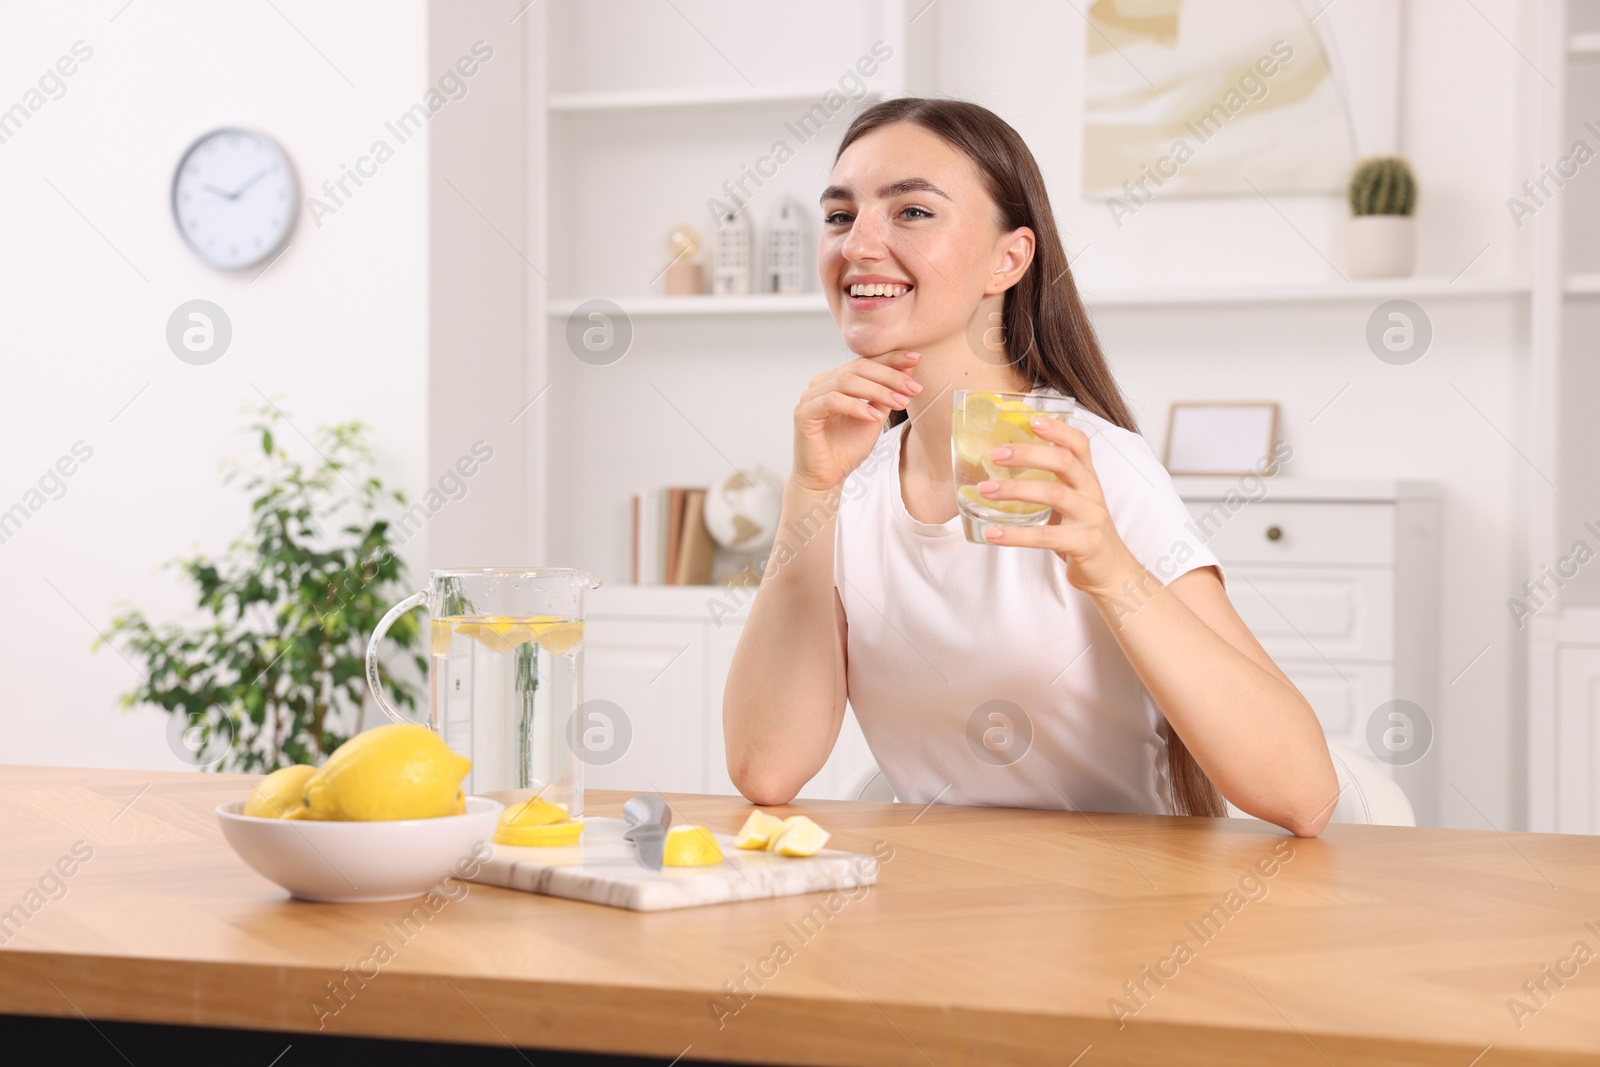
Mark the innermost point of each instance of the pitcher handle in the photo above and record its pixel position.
(374, 682)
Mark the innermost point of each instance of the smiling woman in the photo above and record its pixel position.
(1049, 667)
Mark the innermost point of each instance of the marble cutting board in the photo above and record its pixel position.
(602, 869)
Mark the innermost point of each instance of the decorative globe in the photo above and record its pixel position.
(743, 509)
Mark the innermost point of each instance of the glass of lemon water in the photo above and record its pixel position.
(505, 675)
(985, 420)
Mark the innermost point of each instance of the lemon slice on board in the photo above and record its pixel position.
(566, 832)
(757, 830)
(798, 836)
(690, 846)
(533, 812)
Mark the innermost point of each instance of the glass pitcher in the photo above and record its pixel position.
(505, 675)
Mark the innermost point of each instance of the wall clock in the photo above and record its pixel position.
(234, 198)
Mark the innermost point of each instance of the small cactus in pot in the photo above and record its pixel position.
(1382, 231)
(1382, 185)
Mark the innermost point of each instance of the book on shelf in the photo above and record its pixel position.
(671, 545)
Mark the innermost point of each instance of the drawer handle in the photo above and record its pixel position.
(1274, 533)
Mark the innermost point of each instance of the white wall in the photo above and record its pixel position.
(479, 273)
(337, 329)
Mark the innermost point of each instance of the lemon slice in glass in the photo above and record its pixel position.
(560, 636)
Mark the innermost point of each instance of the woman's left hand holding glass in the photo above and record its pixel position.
(1080, 530)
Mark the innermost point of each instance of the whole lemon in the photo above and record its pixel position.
(280, 794)
(399, 771)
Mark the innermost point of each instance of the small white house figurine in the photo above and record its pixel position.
(733, 255)
(783, 261)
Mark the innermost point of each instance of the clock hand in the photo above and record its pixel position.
(220, 192)
(259, 175)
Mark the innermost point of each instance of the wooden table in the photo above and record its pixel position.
(992, 936)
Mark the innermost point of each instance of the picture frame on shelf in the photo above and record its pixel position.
(1227, 437)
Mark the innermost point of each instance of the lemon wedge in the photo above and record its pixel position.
(798, 836)
(690, 846)
(757, 830)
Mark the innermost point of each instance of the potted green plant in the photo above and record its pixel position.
(1382, 233)
(271, 670)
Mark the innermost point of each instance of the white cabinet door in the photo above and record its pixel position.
(1577, 740)
(1311, 613)
(655, 672)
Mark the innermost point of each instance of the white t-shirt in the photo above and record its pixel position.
(977, 673)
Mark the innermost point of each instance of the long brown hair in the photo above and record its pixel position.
(1047, 332)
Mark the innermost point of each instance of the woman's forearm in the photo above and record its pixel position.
(1255, 736)
(784, 700)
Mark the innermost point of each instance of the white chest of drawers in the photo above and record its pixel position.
(1339, 581)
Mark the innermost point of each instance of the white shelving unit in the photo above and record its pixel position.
(1562, 384)
(665, 100)
(762, 304)
(1366, 291)
(621, 153)
(645, 123)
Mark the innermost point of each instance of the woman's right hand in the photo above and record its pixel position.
(841, 415)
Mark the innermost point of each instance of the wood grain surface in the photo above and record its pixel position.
(993, 936)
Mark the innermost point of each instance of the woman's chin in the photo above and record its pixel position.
(870, 339)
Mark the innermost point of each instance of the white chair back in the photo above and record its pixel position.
(1366, 792)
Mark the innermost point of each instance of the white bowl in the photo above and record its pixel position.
(362, 861)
